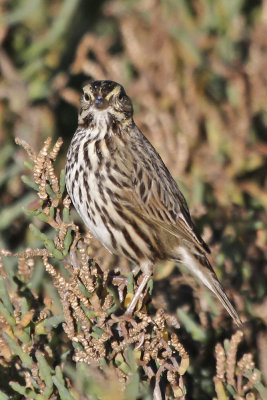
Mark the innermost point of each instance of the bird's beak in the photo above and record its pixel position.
(101, 103)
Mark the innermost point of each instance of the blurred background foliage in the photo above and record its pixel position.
(196, 71)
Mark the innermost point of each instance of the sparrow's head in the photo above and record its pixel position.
(105, 98)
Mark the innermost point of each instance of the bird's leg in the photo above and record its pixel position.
(137, 295)
(121, 282)
(147, 268)
(128, 315)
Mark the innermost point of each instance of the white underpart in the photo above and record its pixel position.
(94, 223)
(100, 120)
(97, 228)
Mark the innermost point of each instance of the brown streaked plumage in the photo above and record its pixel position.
(125, 194)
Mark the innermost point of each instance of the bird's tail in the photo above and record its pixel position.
(201, 268)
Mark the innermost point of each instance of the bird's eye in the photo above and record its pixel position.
(86, 97)
(120, 95)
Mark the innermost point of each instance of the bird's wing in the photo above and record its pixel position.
(155, 195)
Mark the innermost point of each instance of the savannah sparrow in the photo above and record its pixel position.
(126, 196)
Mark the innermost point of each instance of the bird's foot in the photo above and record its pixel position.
(133, 300)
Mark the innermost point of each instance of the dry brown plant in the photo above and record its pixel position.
(90, 297)
(241, 376)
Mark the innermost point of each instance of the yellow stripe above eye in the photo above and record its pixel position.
(115, 91)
